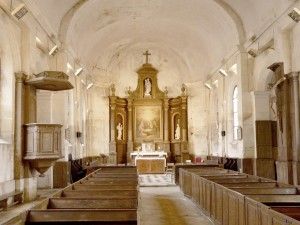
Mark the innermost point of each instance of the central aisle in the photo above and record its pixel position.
(168, 206)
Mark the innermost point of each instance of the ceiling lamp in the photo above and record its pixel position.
(295, 15)
(78, 71)
(54, 50)
(253, 52)
(19, 11)
(89, 86)
(208, 86)
(223, 72)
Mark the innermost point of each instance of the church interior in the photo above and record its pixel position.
(150, 112)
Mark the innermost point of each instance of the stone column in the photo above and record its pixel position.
(130, 130)
(112, 143)
(166, 127)
(25, 112)
(295, 122)
(19, 121)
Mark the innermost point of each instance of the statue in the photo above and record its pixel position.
(147, 87)
(177, 132)
(120, 129)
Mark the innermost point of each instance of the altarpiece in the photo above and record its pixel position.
(148, 117)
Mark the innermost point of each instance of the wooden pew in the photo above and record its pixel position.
(112, 182)
(240, 199)
(17, 197)
(95, 199)
(93, 203)
(101, 187)
(99, 193)
(83, 216)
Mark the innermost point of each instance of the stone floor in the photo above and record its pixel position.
(168, 206)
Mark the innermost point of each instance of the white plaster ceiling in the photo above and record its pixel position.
(187, 38)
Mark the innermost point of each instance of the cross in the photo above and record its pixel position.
(147, 55)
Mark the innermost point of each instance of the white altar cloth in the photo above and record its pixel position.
(148, 154)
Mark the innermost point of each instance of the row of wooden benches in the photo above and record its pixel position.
(234, 198)
(107, 196)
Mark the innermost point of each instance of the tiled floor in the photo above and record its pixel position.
(168, 206)
(156, 180)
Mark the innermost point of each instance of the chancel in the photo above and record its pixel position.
(150, 112)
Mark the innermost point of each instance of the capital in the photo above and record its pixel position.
(20, 77)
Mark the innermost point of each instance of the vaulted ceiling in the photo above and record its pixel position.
(187, 38)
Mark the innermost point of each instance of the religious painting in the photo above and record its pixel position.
(148, 122)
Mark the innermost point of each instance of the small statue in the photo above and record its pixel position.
(177, 132)
(147, 87)
(119, 129)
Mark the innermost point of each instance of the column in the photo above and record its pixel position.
(184, 143)
(25, 112)
(166, 127)
(295, 122)
(112, 143)
(19, 121)
(130, 131)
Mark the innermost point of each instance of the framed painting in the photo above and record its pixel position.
(148, 122)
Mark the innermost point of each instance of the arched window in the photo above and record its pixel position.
(235, 110)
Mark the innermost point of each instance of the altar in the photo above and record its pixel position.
(150, 165)
(149, 161)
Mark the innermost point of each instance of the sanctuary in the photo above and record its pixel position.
(148, 124)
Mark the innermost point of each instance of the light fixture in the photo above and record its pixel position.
(78, 71)
(19, 11)
(208, 86)
(223, 72)
(38, 40)
(253, 52)
(54, 50)
(89, 86)
(295, 15)
(233, 68)
(69, 66)
(39, 45)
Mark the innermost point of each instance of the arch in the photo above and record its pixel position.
(236, 18)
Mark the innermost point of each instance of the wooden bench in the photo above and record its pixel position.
(110, 182)
(17, 197)
(266, 190)
(83, 216)
(102, 187)
(103, 197)
(99, 193)
(241, 199)
(129, 202)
